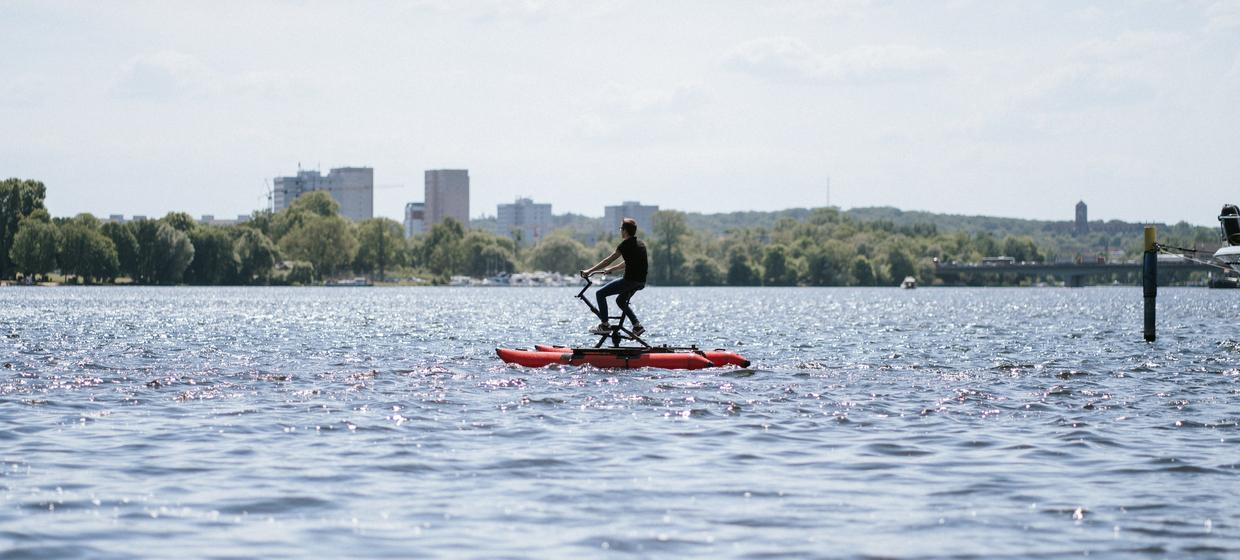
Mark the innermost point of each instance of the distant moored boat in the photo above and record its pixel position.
(1229, 221)
(908, 283)
(349, 283)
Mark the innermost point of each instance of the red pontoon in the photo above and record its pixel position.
(626, 357)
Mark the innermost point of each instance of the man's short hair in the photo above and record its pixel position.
(629, 225)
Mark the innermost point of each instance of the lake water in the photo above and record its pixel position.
(378, 422)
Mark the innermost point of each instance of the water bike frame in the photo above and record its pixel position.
(618, 331)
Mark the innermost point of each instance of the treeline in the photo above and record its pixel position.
(169, 250)
(310, 242)
(1056, 239)
(306, 243)
(825, 248)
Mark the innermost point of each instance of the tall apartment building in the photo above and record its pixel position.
(415, 219)
(1082, 219)
(643, 214)
(447, 195)
(525, 216)
(352, 187)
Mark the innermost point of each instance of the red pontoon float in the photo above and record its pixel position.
(626, 357)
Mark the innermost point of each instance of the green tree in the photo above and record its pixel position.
(73, 248)
(985, 245)
(256, 256)
(863, 272)
(314, 203)
(260, 220)
(327, 242)
(667, 255)
(488, 255)
(829, 264)
(776, 269)
(491, 260)
(740, 271)
(85, 219)
(215, 257)
(559, 253)
(1022, 249)
(163, 252)
(300, 272)
(380, 245)
(899, 265)
(126, 245)
(85, 252)
(177, 253)
(34, 246)
(704, 272)
(822, 270)
(18, 199)
(441, 251)
(180, 221)
(415, 251)
(319, 203)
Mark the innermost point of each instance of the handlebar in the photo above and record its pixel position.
(589, 283)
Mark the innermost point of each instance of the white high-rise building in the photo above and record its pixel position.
(351, 187)
(415, 218)
(447, 195)
(643, 214)
(532, 220)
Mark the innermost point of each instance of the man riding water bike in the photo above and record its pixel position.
(635, 264)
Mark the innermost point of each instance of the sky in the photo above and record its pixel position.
(1014, 109)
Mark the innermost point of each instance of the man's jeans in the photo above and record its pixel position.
(623, 289)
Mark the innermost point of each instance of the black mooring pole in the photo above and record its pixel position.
(1149, 280)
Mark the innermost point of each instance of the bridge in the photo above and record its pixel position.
(1074, 274)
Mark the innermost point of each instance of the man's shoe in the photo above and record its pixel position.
(638, 330)
(602, 328)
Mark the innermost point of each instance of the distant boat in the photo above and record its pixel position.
(349, 283)
(1229, 221)
(908, 283)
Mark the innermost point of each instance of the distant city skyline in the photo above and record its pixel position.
(532, 219)
(352, 188)
(643, 214)
(446, 195)
(1012, 109)
(410, 209)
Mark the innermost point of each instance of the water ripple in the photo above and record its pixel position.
(226, 422)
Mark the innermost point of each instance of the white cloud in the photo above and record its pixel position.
(774, 57)
(1105, 73)
(622, 114)
(173, 74)
(835, 10)
(1089, 13)
(163, 74)
(510, 10)
(26, 90)
(1022, 91)
(1224, 15)
(684, 98)
(1084, 87)
(790, 59)
(1130, 45)
(520, 11)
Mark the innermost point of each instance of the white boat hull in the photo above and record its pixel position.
(1229, 256)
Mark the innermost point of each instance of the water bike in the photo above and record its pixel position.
(638, 355)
